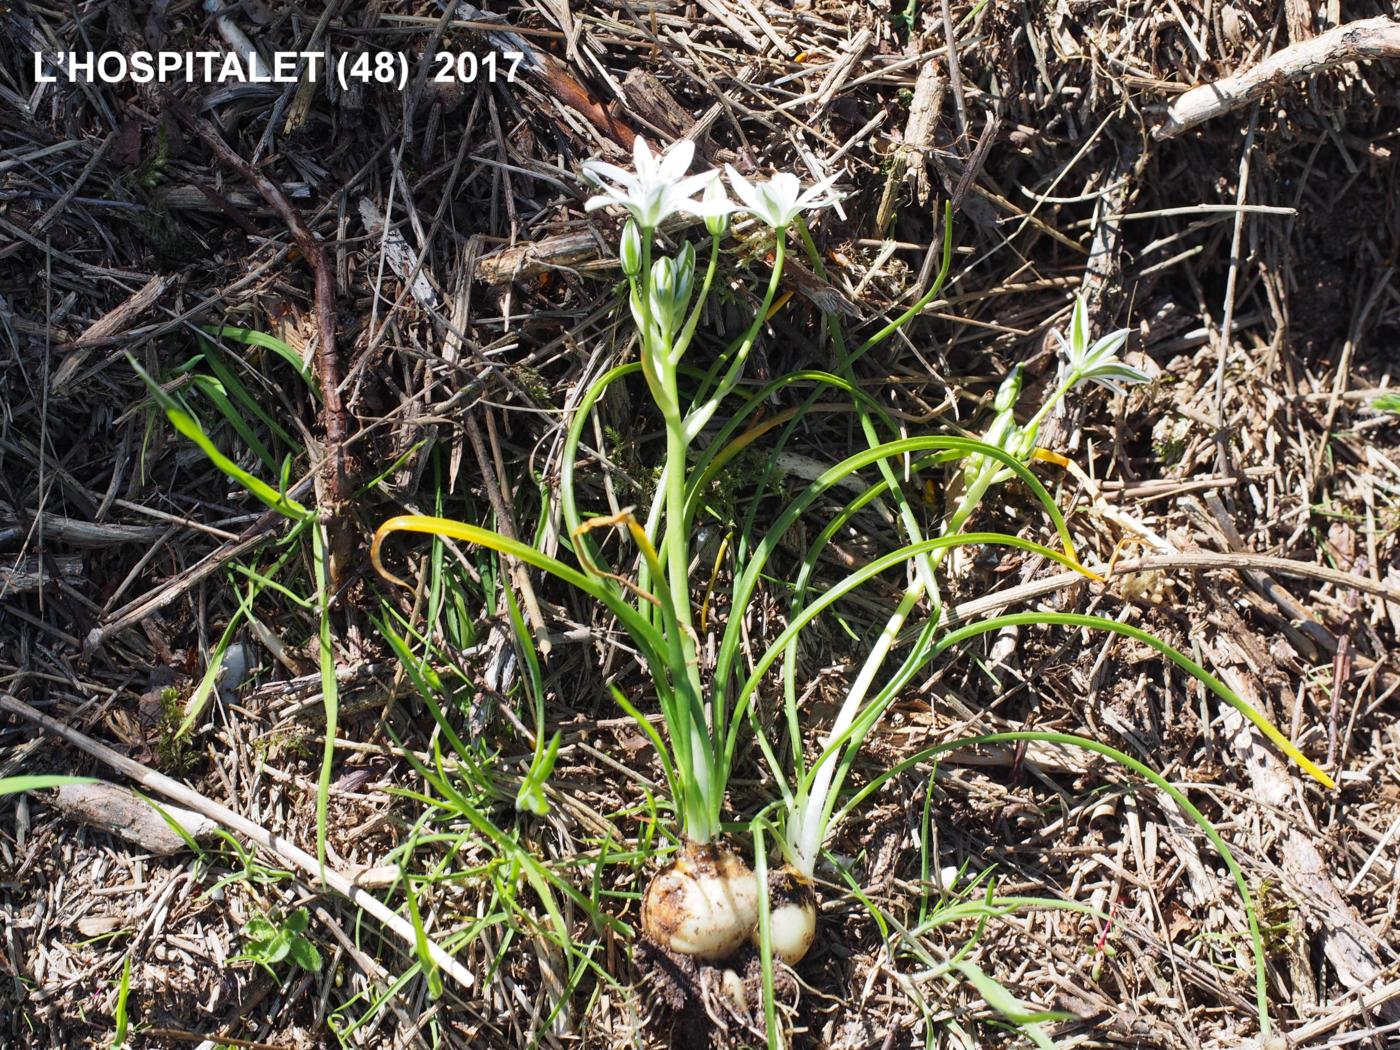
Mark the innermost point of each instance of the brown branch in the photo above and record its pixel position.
(1363, 39)
(334, 472)
(561, 83)
(1193, 560)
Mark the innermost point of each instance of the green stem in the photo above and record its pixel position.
(703, 410)
(702, 816)
(688, 332)
(807, 829)
(1033, 427)
(872, 438)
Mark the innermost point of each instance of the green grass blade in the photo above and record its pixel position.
(420, 945)
(237, 391)
(330, 685)
(39, 782)
(1183, 661)
(641, 630)
(119, 1014)
(1143, 770)
(747, 582)
(212, 389)
(190, 428)
(799, 622)
(1000, 999)
(267, 342)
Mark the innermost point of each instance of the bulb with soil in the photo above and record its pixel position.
(792, 914)
(703, 904)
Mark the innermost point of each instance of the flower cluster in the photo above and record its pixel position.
(665, 297)
(660, 188)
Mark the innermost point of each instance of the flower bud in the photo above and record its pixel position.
(662, 294)
(1021, 442)
(685, 276)
(629, 251)
(715, 197)
(663, 279)
(1009, 392)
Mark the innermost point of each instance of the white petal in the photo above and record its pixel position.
(1079, 324)
(602, 201)
(677, 160)
(817, 196)
(702, 208)
(600, 170)
(784, 189)
(641, 156)
(744, 190)
(1107, 346)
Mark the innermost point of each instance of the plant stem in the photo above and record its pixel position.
(700, 818)
(702, 411)
(688, 331)
(810, 826)
(1033, 427)
(810, 818)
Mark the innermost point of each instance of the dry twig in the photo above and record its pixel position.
(287, 851)
(1367, 38)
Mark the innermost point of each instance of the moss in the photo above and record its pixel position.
(174, 753)
(533, 383)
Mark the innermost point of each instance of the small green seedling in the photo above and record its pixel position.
(269, 941)
(1387, 403)
(123, 1020)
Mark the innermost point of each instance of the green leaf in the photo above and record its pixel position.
(15, 785)
(305, 955)
(531, 795)
(215, 391)
(120, 1014)
(330, 685)
(277, 949)
(1188, 665)
(420, 945)
(1387, 403)
(996, 995)
(267, 342)
(187, 425)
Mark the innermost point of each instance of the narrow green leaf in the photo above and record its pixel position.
(41, 782)
(120, 1014)
(190, 428)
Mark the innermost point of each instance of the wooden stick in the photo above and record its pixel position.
(1191, 560)
(105, 327)
(334, 470)
(287, 851)
(1366, 38)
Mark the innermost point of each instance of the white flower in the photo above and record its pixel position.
(1095, 362)
(658, 189)
(718, 221)
(781, 199)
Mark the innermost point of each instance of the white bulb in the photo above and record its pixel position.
(792, 915)
(793, 928)
(704, 903)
